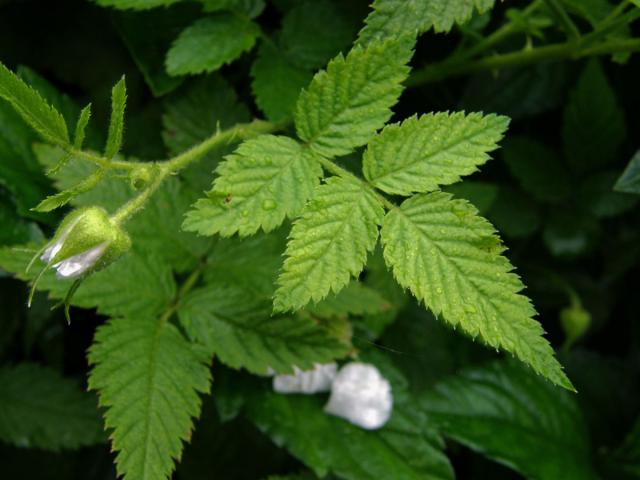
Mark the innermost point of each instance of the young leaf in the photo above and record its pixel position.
(501, 411)
(116, 124)
(396, 17)
(265, 180)
(593, 124)
(423, 153)
(62, 198)
(450, 258)
(40, 409)
(329, 243)
(210, 43)
(81, 126)
(135, 4)
(277, 82)
(344, 106)
(42, 117)
(148, 378)
(238, 328)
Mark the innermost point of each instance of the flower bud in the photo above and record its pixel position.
(361, 395)
(310, 381)
(87, 240)
(575, 322)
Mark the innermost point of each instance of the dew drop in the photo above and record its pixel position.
(268, 204)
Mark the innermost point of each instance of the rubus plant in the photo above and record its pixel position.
(324, 225)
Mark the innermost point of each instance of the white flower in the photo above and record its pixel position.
(311, 381)
(361, 395)
(75, 266)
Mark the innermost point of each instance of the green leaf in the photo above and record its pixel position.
(422, 153)
(328, 244)
(539, 169)
(344, 106)
(116, 124)
(597, 195)
(593, 124)
(502, 412)
(276, 82)
(406, 448)
(135, 4)
(148, 378)
(81, 126)
(306, 39)
(42, 117)
(482, 195)
(355, 299)
(249, 8)
(210, 43)
(450, 258)
(625, 460)
(40, 409)
(395, 17)
(62, 198)
(265, 180)
(238, 328)
(629, 181)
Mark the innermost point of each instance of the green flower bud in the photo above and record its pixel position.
(575, 322)
(87, 240)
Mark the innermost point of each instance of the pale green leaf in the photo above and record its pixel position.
(344, 106)
(450, 258)
(41, 116)
(238, 328)
(135, 4)
(148, 378)
(524, 422)
(396, 17)
(264, 181)
(328, 244)
(116, 123)
(81, 126)
(423, 153)
(210, 43)
(41, 409)
(277, 82)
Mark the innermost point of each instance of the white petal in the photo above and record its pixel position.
(311, 381)
(75, 266)
(52, 250)
(361, 395)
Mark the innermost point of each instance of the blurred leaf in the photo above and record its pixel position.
(39, 408)
(570, 233)
(249, 8)
(625, 460)
(135, 4)
(539, 169)
(593, 125)
(481, 194)
(598, 196)
(209, 43)
(540, 429)
(514, 214)
(355, 299)
(629, 181)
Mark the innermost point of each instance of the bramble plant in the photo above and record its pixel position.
(338, 228)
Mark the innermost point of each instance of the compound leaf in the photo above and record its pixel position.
(329, 243)
(423, 153)
(450, 258)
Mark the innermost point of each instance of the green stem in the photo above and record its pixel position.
(185, 288)
(162, 170)
(524, 57)
(564, 20)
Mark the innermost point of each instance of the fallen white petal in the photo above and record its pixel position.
(75, 266)
(361, 395)
(311, 381)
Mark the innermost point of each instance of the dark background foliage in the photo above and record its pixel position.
(548, 191)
